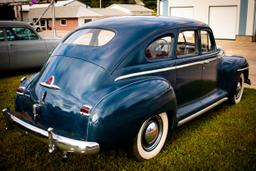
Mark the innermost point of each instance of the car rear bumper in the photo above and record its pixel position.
(53, 140)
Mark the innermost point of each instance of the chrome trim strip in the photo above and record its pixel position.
(181, 122)
(63, 143)
(51, 86)
(162, 69)
(242, 69)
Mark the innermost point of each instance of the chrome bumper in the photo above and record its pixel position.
(53, 140)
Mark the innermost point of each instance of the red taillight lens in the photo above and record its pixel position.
(85, 110)
(50, 80)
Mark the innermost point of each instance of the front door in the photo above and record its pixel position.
(4, 55)
(209, 53)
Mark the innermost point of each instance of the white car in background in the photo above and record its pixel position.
(21, 47)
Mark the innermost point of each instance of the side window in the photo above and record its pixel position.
(160, 48)
(20, 33)
(207, 43)
(187, 44)
(1, 34)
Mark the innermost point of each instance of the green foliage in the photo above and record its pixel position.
(221, 139)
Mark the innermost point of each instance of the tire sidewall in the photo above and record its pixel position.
(141, 152)
(235, 99)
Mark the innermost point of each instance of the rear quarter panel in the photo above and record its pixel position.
(118, 116)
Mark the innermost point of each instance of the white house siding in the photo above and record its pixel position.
(201, 11)
(250, 17)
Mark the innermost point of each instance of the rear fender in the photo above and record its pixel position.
(119, 115)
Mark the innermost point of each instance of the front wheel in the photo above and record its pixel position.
(237, 93)
(151, 137)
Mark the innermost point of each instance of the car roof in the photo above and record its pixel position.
(131, 32)
(14, 23)
(134, 22)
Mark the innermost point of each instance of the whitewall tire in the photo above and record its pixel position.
(238, 90)
(151, 137)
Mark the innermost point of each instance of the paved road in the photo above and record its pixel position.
(246, 49)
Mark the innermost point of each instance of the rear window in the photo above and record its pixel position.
(91, 37)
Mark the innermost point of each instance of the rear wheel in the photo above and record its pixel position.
(237, 93)
(151, 137)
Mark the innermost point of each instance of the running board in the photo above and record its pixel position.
(181, 122)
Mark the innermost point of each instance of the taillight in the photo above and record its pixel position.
(85, 110)
(50, 80)
(20, 90)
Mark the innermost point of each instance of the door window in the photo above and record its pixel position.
(187, 44)
(2, 35)
(160, 48)
(207, 44)
(20, 33)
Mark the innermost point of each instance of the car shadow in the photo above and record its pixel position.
(12, 73)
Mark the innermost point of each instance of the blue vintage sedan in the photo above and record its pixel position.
(126, 80)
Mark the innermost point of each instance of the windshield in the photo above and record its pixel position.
(90, 37)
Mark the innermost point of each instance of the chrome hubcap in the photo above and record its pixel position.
(152, 135)
(238, 89)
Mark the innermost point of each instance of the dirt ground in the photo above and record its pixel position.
(231, 47)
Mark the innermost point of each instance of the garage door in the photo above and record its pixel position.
(186, 12)
(223, 21)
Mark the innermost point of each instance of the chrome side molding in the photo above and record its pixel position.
(163, 69)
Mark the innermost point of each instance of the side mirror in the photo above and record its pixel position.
(221, 50)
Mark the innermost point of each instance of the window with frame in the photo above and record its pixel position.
(63, 22)
(20, 33)
(207, 44)
(87, 20)
(160, 48)
(91, 37)
(2, 38)
(187, 44)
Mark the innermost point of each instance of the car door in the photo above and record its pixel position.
(188, 68)
(4, 55)
(26, 48)
(209, 53)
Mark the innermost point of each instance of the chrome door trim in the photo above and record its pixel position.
(162, 69)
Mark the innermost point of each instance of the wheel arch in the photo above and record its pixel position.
(229, 70)
(137, 97)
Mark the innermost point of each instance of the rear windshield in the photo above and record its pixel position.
(90, 37)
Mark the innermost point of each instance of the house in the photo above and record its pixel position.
(229, 19)
(70, 15)
(132, 9)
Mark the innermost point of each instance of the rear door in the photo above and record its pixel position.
(4, 55)
(26, 49)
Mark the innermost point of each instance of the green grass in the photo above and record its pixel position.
(222, 139)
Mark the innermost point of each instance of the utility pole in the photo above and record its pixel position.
(158, 7)
(53, 19)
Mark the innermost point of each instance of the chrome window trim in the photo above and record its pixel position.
(163, 69)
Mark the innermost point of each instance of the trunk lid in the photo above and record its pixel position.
(78, 83)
